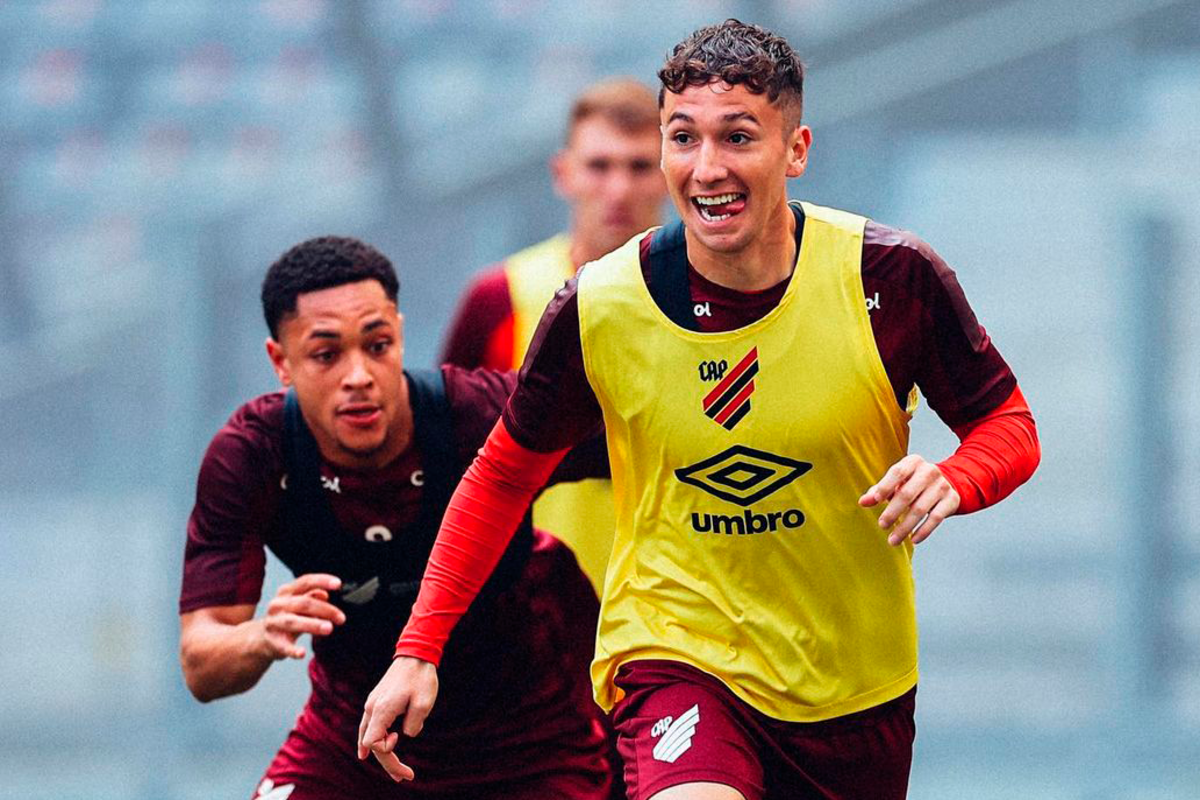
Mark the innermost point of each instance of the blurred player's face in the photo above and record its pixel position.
(727, 155)
(611, 179)
(343, 351)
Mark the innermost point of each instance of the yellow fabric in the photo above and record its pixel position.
(805, 622)
(579, 513)
(534, 275)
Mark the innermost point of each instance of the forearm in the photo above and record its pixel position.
(480, 520)
(996, 454)
(220, 659)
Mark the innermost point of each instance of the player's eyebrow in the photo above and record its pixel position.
(738, 116)
(323, 334)
(373, 324)
(733, 116)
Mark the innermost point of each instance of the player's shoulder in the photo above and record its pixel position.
(259, 416)
(476, 398)
(489, 284)
(549, 252)
(617, 265)
(899, 256)
(256, 426)
(247, 451)
(467, 387)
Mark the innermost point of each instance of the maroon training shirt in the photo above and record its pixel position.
(515, 697)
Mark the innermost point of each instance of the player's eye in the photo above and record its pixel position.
(739, 138)
(379, 346)
(681, 137)
(324, 356)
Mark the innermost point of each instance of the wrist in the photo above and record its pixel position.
(258, 645)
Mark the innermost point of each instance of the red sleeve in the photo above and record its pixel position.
(480, 520)
(482, 332)
(224, 561)
(997, 453)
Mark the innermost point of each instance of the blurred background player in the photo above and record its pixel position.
(608, 172)
(755, 366)
(345, 479)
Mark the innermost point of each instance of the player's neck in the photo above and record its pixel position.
(583, 250)
(766, 259)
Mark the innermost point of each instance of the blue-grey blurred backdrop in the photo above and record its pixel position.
(157, 155)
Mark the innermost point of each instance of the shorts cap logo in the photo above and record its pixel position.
(267, 790)
(676, 735)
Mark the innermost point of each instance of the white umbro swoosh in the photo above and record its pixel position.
(267, 790)
(362, 594)
(677, 738)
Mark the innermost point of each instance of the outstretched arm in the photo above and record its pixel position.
(552, 410)
(480, 520)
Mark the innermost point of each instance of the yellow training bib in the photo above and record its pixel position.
(738, 459)
(579, 513)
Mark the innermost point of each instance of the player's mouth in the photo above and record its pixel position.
(719, 207)
(360, 415)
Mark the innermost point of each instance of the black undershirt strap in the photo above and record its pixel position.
(667, 277)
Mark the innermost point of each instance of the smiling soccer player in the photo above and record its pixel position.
(755, 366)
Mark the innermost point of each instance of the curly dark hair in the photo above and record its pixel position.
(320, 264)
(736, 52)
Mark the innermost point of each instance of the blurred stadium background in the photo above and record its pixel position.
(156, 155)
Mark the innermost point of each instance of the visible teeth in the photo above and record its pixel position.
(713, 217)
(716, 201)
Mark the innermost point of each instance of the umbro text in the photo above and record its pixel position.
(747, 522)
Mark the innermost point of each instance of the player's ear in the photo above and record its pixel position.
(400, 333)
(560, 172)
(799, 142)
(279, 361)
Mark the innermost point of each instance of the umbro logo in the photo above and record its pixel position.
(267, 790)
(358, 594)
(743, 475)
(676, 735)
(729, 401)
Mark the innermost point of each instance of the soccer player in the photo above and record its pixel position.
(345, 478)
(608, 173)
(755, 368)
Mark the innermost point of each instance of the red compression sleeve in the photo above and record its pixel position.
(996, 454)
(480, 520)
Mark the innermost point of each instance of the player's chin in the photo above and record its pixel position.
(725, 241)
(362, 444)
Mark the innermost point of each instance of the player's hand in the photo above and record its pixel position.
(409, 687)
(918, 496)
(299, 607)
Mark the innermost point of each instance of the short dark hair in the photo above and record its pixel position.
(736, 52)
(322, 263)
(626, 103)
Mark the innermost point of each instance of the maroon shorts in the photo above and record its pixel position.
(678, 725)
(318, 763)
